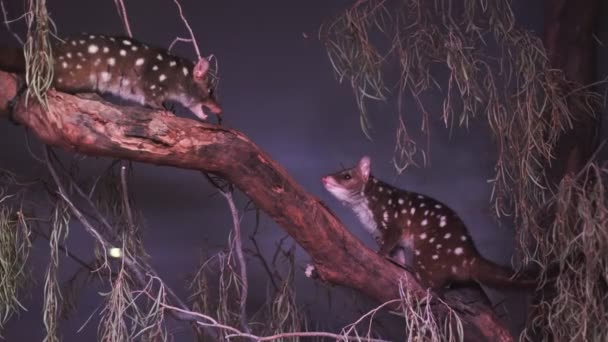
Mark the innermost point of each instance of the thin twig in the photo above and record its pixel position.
(7, 23)
(125, 198)
(138, 268)
(122, 12)
(185, 21)
(238, 245)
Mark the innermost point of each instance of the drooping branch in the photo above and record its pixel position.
(97, 128)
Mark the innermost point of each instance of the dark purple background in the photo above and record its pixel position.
(278, 88)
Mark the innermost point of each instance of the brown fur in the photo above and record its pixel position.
(126, 68)
(442, 249)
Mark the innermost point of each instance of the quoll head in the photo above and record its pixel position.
(348, 185)
(203, 81)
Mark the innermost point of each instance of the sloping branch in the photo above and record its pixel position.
(97, 128)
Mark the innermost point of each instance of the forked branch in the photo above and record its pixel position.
(97, 128)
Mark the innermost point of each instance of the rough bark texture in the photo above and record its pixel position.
(568, 39)
(98, 128)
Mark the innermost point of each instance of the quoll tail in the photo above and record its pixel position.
(12, 59)
(496, 276)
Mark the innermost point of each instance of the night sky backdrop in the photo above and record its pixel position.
(277, 86)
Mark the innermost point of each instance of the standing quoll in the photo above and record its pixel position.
(443, 251)
(125, 68)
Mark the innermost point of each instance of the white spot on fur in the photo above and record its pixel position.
(133, 48)
(426, 212)
(396, 214)
(126, 42)
(390, 201)
(458, 251)
(409, 222)
(447, 236)
(403, 211)
(105, 76)
(422, 205)
(431, 240)
(424, 222)
(385, 216)
(420, 196)
(155, 67)
(111, 61)
(438, 246)
(106, 49)
(463, 238)
(78, 66)
(442, 221)
(64, 65)
(68, 55)
(159, 57)
(162, 77)
(93, 48)
(454, 270)
(380, 189)
(417, 252)
(185, 71)
(422, 236)
(172, 63)
(139, 61)
(123, 52)
(435, 256)
(438, 206)
(309, 269)
(401, 201)
(153, 86)
(412, 211)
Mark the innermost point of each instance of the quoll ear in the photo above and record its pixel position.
(200, 69)
(364, 167)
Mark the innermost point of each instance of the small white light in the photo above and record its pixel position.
(115, 252)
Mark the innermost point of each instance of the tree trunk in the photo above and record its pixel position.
(568, 39)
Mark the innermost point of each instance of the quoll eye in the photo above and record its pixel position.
(346, 176)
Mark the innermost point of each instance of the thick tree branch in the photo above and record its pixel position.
(98, 128)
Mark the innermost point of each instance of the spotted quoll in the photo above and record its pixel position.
(127, 69)
(442, 251)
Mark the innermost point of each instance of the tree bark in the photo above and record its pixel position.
(568, 39)
(97, 128)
